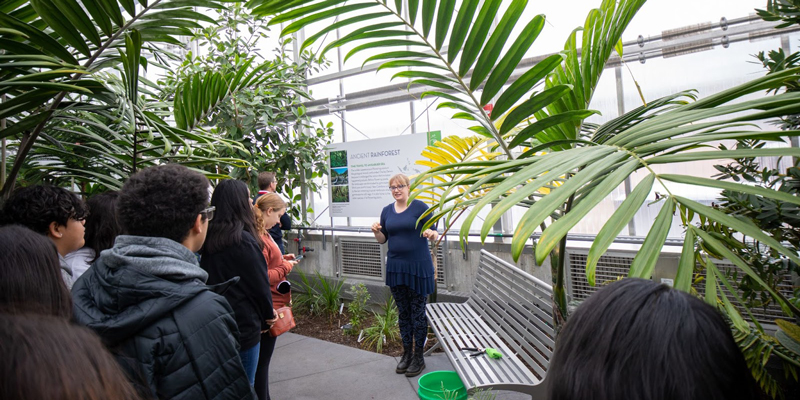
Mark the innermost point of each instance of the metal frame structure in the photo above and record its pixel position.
(670, 43)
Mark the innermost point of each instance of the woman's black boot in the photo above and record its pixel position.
(417, 364)
(405, 360)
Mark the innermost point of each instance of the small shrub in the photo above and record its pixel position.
(358, 307)
(305, 297)
(320, 297)
(483, 394)
(330, 295)
(385, 329)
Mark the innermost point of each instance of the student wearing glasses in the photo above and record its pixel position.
(409, 269)
(51, 211)
(147, 297)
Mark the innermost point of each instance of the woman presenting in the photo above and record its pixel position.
(409, 269)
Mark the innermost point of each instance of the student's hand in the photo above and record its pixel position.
(272, 321)
(289, 256)
(376, 227)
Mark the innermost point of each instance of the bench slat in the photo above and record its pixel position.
(505, 287)
(485, 338)
(507, 328)
(540, 296)
(541, 289)
(501, 310)
(509, 310)
(457, 328)
(480, 371)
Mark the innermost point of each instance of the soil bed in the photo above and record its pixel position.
(329, 329)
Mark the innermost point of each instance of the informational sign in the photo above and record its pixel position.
(359, 171)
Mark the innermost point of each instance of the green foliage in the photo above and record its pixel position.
(787, 11)
(73, 98)
(338, 159)
(357, 308)
(304, 297)
(321, 297)
(341, 194)
(483, 394)
(252, 100)
(472, 72)
(385, 329)
(757, 348)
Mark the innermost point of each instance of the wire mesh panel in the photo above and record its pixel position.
(767, 314)
(439, 264)
(609, 268)
(360, 257)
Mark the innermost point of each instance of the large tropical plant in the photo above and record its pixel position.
(262, 97)
(53, 56)
(664, 131)
(473, 71)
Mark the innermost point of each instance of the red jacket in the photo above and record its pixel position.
(278, 269)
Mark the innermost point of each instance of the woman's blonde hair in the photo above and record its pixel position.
(400, 178)
(263, 204)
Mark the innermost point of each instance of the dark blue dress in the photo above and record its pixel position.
(408, 261)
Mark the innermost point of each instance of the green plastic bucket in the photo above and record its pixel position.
(441, 385)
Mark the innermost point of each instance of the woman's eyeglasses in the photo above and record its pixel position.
(208, 213)
(393, 188)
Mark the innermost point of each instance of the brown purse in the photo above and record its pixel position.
(284, 323)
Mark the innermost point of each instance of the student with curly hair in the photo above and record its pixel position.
(30, 277)
(637, 339)
(233, 249)
(147, 297)
(51, 211)
(102, 228)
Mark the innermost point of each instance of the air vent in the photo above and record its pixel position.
(360, 257)
(764, 315)
(609, 268)
(439, 263)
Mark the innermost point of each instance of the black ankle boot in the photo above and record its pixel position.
(417, 364)
(405, 360)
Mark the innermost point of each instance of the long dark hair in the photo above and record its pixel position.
(234, 214)
(102, 224)
(49, 358)
(30, 274)
(637, 339)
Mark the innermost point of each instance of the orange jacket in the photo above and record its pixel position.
(278, 269)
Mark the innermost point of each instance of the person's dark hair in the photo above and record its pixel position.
(30, 275)
(637, 339)
(162, 201)
(49, 358)
(102, 224)
(233, 215)
(38, 206)
(265, 179)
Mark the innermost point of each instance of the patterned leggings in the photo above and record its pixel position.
(411, 306)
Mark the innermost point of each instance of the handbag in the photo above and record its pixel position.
(284, 323)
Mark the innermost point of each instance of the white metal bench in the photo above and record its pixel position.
(509, 310)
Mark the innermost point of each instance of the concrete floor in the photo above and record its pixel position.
(304, 368)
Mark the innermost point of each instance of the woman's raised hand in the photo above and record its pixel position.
(376, 227)
(430, 234)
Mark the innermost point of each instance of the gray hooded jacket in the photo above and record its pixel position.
(173, 335)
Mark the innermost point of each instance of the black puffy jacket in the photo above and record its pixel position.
(173, 335)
